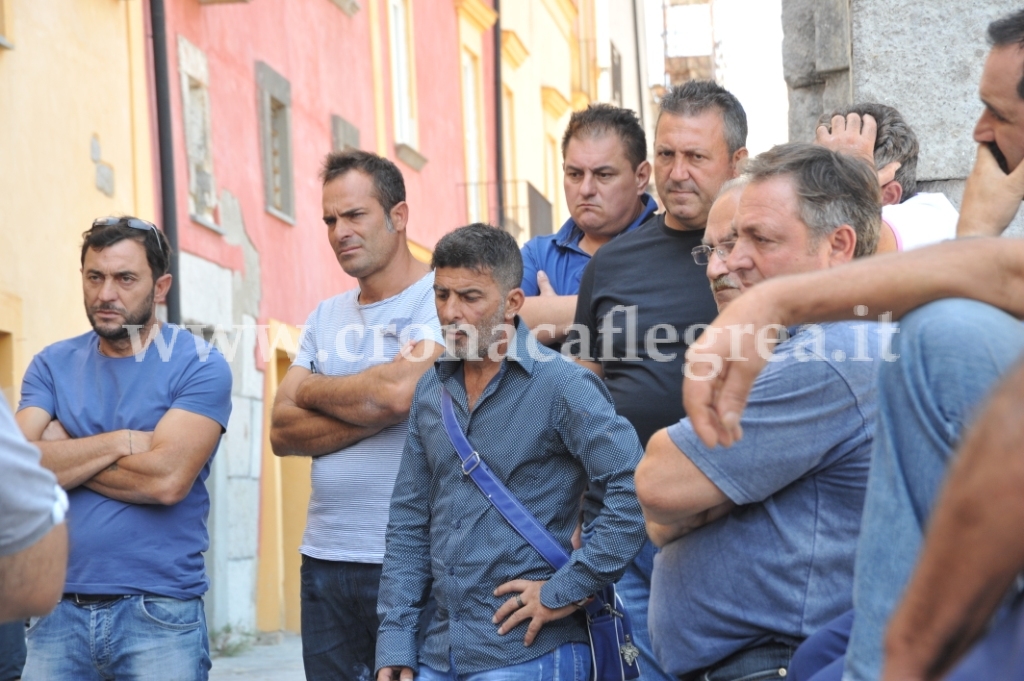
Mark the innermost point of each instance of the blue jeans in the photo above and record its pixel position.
(339, 619)
(135, 638)
(567, 662)
(769, 661)
(952, 353)
(12, 650)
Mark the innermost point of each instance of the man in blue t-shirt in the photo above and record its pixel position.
(604, 151)
(758, 540)
(128, 417)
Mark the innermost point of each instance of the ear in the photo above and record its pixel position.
(842, 243)
(400, 216)
(892, 193)
(160, 288)
(514, 303)
(643, 177)
(739, 160)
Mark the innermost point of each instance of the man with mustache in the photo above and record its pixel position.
(129, 431)
(545, 428)
(719, 238)
(757, 553)
(344, 402)
(642, 297)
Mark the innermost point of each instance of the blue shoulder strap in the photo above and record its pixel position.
(521, 520)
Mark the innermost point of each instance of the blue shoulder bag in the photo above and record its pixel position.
(613, 653)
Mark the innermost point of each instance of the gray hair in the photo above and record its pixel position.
(482, 248)
(697, 96)
(832, 189)
(895, 141)
(735, 183)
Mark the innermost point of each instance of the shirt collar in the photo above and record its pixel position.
(569, 235)
(519, 353)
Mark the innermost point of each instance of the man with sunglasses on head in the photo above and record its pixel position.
(129, 430)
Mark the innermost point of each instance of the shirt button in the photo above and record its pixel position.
(451, 571)
(458, 524)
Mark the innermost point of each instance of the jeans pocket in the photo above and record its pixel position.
(172, 613)
(33, 622)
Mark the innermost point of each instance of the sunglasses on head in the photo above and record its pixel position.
(134, 223)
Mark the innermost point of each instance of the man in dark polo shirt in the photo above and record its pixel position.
(642, 297)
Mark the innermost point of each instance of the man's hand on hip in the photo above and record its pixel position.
(525, 605)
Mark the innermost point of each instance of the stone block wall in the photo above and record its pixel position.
(922, 57)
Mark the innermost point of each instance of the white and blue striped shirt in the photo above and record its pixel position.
(348, 507)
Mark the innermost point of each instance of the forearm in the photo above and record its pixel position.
(661, 534)
(549, 311)
(31, 581)
(76, 460)
(300, 432)
(145, 478)
(974, 547)
(988, 270)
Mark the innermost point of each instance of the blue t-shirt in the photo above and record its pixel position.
(117, 547)
(560, 257)
(781, 564)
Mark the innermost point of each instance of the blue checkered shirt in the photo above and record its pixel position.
(546, 427)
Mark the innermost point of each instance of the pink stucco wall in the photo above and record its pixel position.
(326, 57)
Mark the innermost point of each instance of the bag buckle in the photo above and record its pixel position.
(474, 459)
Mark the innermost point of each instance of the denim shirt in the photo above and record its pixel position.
(546, 427)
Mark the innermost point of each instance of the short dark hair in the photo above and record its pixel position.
(388, 183)
(158, 249)
(482, 248)
(599, 119)
(1009, 30)
(694, 97)
(833, 189)
(895, 141)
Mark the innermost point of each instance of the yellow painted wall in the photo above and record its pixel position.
(77, 70)
(540, 26)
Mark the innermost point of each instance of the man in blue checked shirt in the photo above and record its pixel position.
(546, 427)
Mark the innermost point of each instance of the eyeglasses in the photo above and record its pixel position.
(134, 223)
(702, 254)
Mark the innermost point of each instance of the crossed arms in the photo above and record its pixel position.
(316, 414)
(136, 467)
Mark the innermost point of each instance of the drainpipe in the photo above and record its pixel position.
(168, 200)
(499, 133)
(639, 70)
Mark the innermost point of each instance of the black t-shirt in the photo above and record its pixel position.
(652, 270)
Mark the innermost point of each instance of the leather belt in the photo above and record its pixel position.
(92, 599)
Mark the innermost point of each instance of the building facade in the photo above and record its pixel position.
(74, 145)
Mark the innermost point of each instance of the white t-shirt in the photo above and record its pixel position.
(921, 220)
(348, 508)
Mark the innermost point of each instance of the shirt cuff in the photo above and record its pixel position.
(396, 649)
(566, 587)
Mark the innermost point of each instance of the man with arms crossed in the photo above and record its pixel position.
(952, 351)
(545, 427)
(642, 292)
(129, 430)
(758, 551)
(345, 401)
(605, 171)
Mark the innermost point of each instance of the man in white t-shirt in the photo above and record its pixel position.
(879, 134)
(345, 402)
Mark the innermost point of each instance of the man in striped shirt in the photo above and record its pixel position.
(345, 402)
